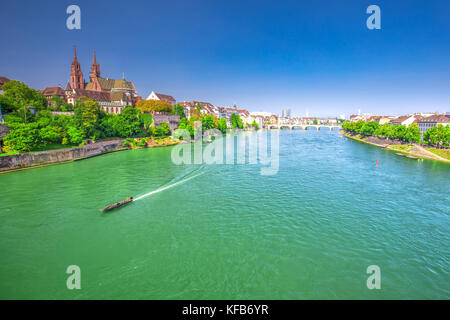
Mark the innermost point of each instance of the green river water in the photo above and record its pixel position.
(226, 231)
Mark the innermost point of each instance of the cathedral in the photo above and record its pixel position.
(112, 95)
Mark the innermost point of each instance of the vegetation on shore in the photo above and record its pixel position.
(45, 131)
(438, 137)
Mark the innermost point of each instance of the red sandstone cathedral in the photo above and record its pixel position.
(111, 95)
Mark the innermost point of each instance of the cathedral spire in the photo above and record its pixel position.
(95, 69)
(74, 53)
(76, 75)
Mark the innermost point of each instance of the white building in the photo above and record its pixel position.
(162, 97)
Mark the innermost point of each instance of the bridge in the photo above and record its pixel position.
(303, 126)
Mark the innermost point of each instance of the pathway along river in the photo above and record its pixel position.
(227, 232)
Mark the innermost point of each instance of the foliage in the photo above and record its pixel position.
(153, 105)
(146, 118)
(369, 128)
(208, 122)
(222, 125)
(179, 110)
(86, 114)
(23, 138)
(236, 121)
(18, 94)
(438, 136)
(128, 123)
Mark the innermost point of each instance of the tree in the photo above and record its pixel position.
(412, 133)
(57, 102)
(128, 123)
(315, 121)
(51, 134)
(236, 121)
(75, 135)
(153, 105)
(399, 132)
(86, 114)
(18, 94)
(222, 125)
(179, 110)
(208, 122)
(23, 138)
(369, 128)
(438, 136)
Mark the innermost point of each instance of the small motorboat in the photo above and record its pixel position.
(401, 154)
(412, 157)
(117, 204)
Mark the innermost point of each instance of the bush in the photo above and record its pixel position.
(153, 105)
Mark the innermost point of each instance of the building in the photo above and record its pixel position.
(49, 92)
(403, 120)
(112, 95)
(286, 113)
(162, 97)
(426, 123)
(3, 80)
(261, 113)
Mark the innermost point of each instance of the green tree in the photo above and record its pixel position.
(86, 114)
(412, 133)
(128, 123)
(23, 138)
(236, 121)
(153, 105)
(369, 128)
(399, 132)
(222, 125)
(208, 122)
(18, 94)
(179, 110)
(75, 135)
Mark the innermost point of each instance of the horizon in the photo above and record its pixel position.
(317, 57)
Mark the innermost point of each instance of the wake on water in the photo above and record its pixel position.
(173, 184)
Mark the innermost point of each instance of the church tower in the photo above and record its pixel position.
(95, 69)
(76, 75)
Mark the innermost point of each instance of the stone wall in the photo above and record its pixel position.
(33, 159)
(171, 119)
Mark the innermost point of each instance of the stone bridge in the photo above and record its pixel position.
(303, 126)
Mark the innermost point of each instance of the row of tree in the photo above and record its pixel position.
(438, 136)
(88, 122)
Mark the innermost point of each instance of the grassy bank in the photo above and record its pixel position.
(442, 155)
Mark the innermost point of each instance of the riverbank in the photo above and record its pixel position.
(30, 160)
(408, 149)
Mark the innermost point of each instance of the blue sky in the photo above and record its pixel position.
(261, 55)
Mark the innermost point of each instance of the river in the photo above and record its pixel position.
(226, 231)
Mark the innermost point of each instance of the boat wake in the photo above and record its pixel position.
(168, 186)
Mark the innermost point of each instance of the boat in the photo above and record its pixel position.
(400, 154)
(412, 157)
(117, 204)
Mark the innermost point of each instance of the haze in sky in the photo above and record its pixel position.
(261, 55)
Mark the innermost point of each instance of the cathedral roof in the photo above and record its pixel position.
(96, 95)
(108, 84)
